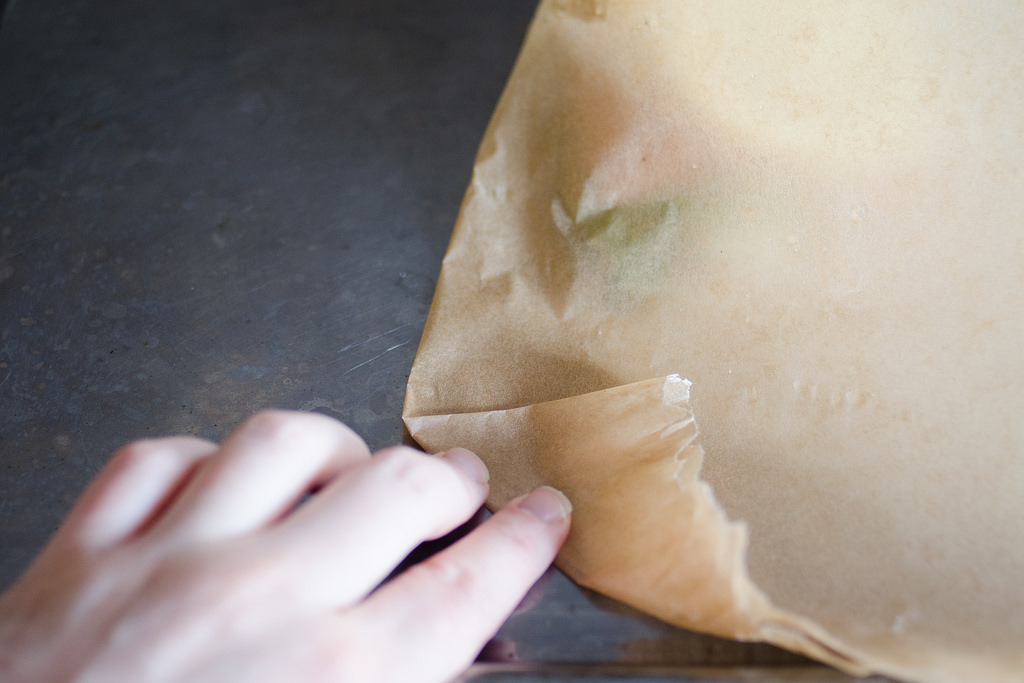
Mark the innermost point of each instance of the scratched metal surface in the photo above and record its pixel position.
(212, 206)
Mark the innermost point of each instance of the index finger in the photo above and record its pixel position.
(442, 611)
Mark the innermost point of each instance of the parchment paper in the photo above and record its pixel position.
(815, 213)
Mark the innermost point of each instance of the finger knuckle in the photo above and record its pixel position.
(137, 450)
(451, 574)
(140, 454)
(349, 441)
(458, 587)
(524, 540)
(275, 424)
(291, 428)
(411, 472)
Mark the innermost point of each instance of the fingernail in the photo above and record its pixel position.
(547, 504)
(468, 463)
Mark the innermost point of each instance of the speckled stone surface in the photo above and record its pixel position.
(207, 208)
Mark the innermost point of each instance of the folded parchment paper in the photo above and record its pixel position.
(815, 213)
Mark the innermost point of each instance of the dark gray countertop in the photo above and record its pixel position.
(209, 207)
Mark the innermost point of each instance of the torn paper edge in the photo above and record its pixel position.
(767, 623)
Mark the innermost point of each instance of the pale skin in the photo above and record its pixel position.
(191, 561)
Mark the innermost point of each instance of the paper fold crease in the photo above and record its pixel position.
(686, 558)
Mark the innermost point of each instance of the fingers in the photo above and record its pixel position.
(260, 472)
(466, 591)
(224, 548)
(134, 486)
(343, 542)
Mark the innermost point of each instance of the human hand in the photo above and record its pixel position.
(189, 561)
